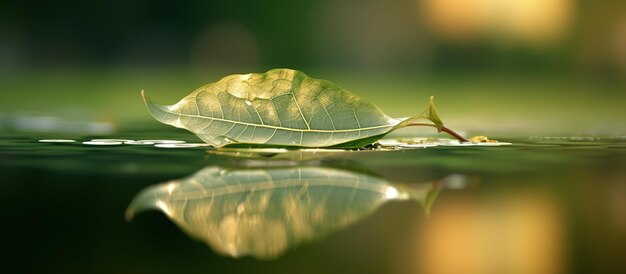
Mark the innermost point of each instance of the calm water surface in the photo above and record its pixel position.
(541, 205)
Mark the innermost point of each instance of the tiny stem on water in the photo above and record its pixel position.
(444, 129)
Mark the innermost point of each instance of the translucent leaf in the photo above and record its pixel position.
(280, 108)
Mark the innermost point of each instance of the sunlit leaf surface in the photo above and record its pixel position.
(281, 107)
(263, 212)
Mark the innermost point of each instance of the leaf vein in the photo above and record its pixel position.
(327, 113)
(300, 110)
(277, 127)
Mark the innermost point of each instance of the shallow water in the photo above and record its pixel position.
(541, 205)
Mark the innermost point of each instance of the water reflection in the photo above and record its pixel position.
(262, 212)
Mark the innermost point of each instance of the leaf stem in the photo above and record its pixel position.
(444, 129)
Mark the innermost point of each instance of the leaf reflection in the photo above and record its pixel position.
(262, 212)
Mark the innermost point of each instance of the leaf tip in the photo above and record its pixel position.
(146, 99)
(431, 113)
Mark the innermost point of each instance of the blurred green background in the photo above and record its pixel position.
(501, 68)
(529, 67)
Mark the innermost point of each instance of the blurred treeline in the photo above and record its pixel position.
(564, 36)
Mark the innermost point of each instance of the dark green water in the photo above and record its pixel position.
(541, 205)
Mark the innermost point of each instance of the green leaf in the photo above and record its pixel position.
(265, 211)
(280, 108)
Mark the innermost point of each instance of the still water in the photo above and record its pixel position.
(540, 205)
